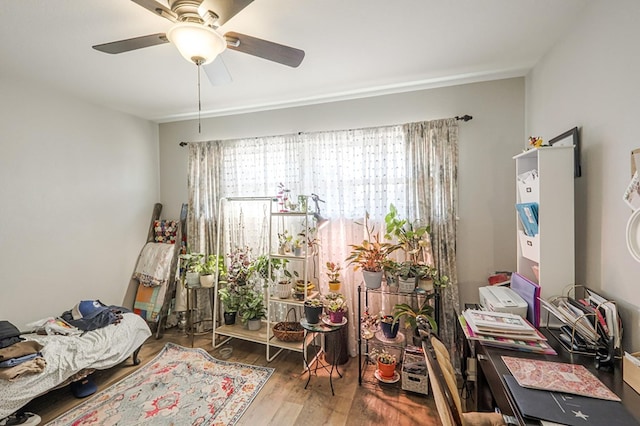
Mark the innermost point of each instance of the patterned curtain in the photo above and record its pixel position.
(203, 194)
(432, 148)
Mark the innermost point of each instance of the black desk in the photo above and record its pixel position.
(492, 391)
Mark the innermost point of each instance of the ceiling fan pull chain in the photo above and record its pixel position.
(199, 103)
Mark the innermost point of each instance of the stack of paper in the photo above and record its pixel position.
(503, 330)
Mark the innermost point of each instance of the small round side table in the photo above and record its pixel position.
(322, 329)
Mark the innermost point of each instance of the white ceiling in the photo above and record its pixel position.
(353, 48)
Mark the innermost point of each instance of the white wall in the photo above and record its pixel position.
(591, 80)
(486, 174)
(77, 187)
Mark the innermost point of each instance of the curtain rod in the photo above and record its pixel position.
(464, 118)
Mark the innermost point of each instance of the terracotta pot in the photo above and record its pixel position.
(334, 286)
(387, 370)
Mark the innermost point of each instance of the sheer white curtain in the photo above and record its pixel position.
(353, 171)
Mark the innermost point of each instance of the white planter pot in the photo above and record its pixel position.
(254, 324)
(407, 285)
(206, 281)
(193, 279)
(283, 291)
(372, 279)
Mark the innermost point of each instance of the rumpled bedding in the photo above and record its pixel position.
(154, 264)
(66, 355)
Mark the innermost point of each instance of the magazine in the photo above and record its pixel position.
(534, 346)
(500, 321)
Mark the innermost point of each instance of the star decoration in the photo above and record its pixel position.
(580, 414)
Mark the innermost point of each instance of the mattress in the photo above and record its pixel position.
(67, 355)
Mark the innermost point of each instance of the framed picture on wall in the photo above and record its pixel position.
(570, 138)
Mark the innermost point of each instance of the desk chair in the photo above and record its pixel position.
(445, 391)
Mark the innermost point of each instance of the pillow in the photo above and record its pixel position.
(165, 231)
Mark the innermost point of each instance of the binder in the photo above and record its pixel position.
(530, 292)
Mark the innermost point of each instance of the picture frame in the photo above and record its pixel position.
(570, 138)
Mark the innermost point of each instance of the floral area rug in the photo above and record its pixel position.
(180, 386)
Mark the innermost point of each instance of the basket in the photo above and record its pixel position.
(289, 331)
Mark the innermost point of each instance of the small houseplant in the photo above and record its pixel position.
(335, 305)
(409, 314)
(370, 255)
(190, 263)
(208, 268)
(333, 272)
(390, 268)
(230, 300)
(252, 308)
(389, 326)
(313, 310)
(386, 364)
(413, 238)
(239, 270)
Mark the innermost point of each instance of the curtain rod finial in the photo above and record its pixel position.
(465, 117)
(182, 144)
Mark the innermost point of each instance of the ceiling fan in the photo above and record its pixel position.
(195, 36)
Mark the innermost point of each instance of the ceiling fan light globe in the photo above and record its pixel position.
(196, 43)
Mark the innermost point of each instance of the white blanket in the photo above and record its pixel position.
(66, 355)
(154, 264)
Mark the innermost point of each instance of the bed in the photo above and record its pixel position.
(67, 356)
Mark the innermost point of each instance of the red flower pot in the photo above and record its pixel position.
(387, 370)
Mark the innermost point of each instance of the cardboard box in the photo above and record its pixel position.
(631, 370)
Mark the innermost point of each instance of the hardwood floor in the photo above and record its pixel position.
(283, 400)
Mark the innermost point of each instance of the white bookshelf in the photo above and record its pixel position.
(553, 249)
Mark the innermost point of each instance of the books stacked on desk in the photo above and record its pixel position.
(503, 330)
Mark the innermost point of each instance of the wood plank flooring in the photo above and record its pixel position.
(283, 400)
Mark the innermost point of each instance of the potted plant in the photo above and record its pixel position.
(370, 256)
(407, 275)
(252, 308)
(389, 326)
(208, 268)
(239, 270)
(313, 310)
(190, 265)
(262, 264)
(284, 242)
(390, 268)
(335, 305)
(409, 314)
(230, 300)
(297, 247)
(413, 238)
(333, 272)
(386, 364)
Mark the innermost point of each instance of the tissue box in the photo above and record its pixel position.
(631, 370)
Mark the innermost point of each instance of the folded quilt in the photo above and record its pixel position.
(154, 264)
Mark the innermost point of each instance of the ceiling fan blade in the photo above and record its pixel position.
(132, 43)
(264, 49)
(217, 72)
(224, 9)
(157, 8)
